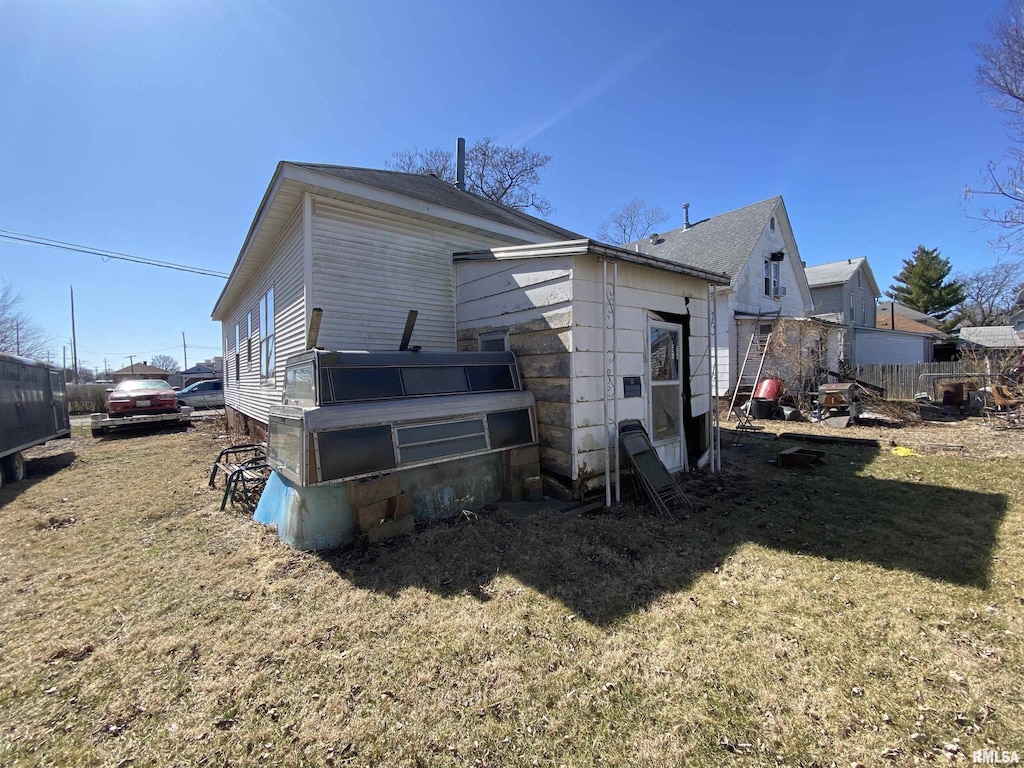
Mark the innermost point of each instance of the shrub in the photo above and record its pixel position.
(87, 398)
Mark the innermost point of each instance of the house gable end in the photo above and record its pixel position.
(292, 180)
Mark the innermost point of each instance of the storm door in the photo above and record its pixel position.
(666, 394)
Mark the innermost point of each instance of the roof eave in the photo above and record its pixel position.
(272, 188)
(591, 247)
(314, 179)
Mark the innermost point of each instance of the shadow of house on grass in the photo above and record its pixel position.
(607, 565)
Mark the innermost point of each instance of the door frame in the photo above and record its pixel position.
(664, 445)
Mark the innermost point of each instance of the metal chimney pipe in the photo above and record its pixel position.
(686, 215)
(460, 165)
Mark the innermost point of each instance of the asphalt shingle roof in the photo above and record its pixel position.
(140, 369)
(833, 272)
(886, 308)
(721, 243)
(431, 189)
(996, 336)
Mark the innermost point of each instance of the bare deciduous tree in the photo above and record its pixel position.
(634, 220)
(1000, 76)
(503, 174)
(18, 334)
(435, 162)
(166, 362)
(991, 294)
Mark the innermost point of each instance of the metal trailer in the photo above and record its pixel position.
(33, 410)
(101, 423)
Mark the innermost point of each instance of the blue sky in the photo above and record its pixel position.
(153, 128)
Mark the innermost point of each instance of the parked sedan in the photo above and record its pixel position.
(145, 396)
(203, 394)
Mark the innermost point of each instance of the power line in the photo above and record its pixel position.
(60, 244)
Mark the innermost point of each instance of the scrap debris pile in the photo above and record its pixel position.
(837, 404)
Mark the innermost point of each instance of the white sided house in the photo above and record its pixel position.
(364, 245)
(755, 248)
(601, 334)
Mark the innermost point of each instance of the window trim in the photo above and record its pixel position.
(772, 278)
(493, 336)
(268, 354)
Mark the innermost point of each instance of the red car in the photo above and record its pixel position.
(136, 398)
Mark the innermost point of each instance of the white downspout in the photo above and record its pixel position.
(712, 318)
(615, 375)
(604, 375)
(713, 423)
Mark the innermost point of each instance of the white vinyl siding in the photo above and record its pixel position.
(283, 272)
(640, 290)
(746, 301)
(370, 267)
(892, 347)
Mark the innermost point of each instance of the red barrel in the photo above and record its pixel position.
(769, 389)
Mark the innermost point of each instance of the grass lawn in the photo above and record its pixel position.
(868, 611)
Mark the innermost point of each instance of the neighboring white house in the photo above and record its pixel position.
(601, 334)
(364, 245)
(755, 248)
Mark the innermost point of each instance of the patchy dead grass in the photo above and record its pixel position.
(870, 610)
(971, 436)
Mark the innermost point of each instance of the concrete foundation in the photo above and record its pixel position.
(241, 424)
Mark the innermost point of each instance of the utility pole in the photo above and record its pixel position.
(64, 349)
(184, 351)
(106, 370)
(17, 337)
(74, 338)
(131, 359)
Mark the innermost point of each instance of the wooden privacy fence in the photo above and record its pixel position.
(902, 382)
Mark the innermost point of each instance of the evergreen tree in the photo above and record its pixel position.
(922, 285)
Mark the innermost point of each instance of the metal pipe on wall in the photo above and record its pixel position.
(604, 375)
(712, 383)
(615, 375)
(717, 421)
